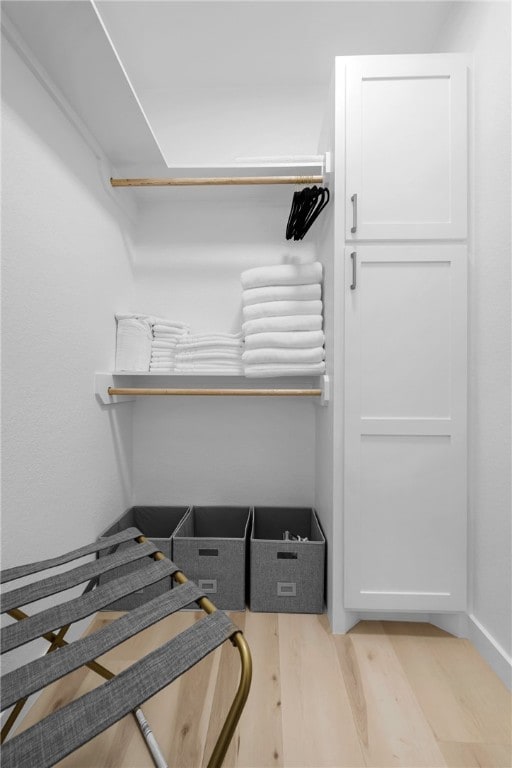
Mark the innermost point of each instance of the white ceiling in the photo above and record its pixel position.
(238, 43)
(182, 53)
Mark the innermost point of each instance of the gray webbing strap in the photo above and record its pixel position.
(49, 586)
(41, 672)
(18, 571)
(63, 731)
(58, 616)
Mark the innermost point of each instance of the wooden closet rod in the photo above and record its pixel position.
(217, 392)
(216, 180)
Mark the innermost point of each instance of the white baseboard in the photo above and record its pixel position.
(496, 656)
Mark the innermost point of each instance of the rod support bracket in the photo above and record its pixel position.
(326, 390)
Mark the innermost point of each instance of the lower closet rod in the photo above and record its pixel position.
(219, 392)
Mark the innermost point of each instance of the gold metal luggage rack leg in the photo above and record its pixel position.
(56, 640)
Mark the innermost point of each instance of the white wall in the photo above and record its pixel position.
(66, 458)
(190, 250)
(484, 29)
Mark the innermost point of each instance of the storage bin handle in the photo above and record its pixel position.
(287, 555)
(208, 553)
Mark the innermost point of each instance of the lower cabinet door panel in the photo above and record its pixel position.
(405, 418)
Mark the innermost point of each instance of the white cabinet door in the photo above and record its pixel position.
(406, 147)
(405, 441)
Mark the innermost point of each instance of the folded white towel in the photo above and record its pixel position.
(276, 369)
(158, 356)
(225, 370)
(288, 339)
(281, 355)
(287, 323)
(133, 344)
(210, 364)
(282, 308)
(210, 344)
(199, 338)
(197, 356)
(162, 321)
(133, 316)
(282, 274)
(282, 293)
(161, 344)
(169, 334)
(161, 363)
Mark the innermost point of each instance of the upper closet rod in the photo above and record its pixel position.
(216, 180)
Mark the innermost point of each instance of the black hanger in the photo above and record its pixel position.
(306, 207)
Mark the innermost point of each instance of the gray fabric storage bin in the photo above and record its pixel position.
(158, 524)
(286, 576)
(210, 547)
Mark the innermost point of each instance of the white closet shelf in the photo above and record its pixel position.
(118, 387)
(299, 171)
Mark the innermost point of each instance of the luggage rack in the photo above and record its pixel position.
(68, 728)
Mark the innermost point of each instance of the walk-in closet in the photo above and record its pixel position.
(256, 267)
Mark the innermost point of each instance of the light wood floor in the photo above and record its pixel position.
(385, 694)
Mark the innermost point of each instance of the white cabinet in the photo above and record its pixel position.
(401, 124)
(406, 142)
(405, 439)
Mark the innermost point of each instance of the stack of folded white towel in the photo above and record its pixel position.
(216, 353)
(147, 343)
(282, 328)
(133, 342)
(167, 334)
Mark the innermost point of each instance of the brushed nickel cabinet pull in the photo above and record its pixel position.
(353, 256)
(353, 228)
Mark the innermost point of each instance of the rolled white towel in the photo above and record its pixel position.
(282, 309)
(280, 355)
(286, 323)
(289, 339)
(133, 344)
(282, 293)
(283, 369)
(282, 274)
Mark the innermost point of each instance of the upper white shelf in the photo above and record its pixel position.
(244, 180)
(316, 387)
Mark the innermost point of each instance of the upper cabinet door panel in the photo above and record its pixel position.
(406, 147)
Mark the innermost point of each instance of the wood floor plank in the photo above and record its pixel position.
(479, 755)
(459, 707)
(260, 735)
(392, 728)
(318, 727)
